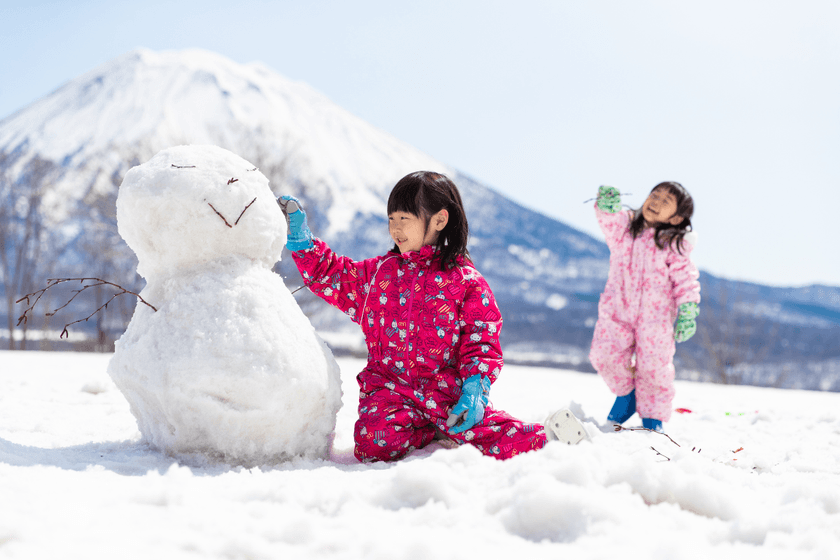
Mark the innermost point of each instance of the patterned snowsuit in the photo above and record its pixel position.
(636, 314)
(426, 330)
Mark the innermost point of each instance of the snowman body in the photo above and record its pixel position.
(228, 366)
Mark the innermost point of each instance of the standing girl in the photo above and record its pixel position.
(431, 326)
(652, 282)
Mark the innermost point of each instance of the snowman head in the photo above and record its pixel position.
(190, 205)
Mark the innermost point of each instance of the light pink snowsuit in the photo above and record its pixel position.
(636, 314)
(426, 330)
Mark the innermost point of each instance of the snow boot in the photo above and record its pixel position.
(623, 408)
(563, 426)
(652, 424)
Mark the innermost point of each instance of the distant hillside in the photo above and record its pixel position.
(63, 157)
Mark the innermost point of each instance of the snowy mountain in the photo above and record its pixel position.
(93, 129)
(63, 157)
(134, 106)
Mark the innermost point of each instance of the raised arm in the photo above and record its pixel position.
(338, 280)
(611, 219)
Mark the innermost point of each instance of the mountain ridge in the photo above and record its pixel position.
(72, 147)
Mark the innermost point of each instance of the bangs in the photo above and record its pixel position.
(674, 191)
(407, 196)
(685, 204)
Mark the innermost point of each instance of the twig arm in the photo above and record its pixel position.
(620, 428)
(87, 283)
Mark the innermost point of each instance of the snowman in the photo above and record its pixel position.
(227, 367)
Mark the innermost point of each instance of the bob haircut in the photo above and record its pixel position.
(424, 194)
(667, 234)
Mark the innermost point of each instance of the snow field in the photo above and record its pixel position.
(76, 481)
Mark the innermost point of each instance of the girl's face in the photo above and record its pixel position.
(409, 232)
(660, 207)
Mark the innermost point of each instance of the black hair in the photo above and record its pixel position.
(666, 233)
(424, 194)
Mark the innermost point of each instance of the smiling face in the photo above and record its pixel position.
(410, 233)
(661, 207)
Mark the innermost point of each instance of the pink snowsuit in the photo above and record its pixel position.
(426, 330)
(636, 314)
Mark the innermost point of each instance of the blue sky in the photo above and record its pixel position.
(541, 100)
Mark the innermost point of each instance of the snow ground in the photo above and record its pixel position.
(756, 475)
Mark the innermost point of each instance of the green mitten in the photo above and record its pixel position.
(609, 199)
(686, 321)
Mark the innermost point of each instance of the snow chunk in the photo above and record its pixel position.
(556, 302)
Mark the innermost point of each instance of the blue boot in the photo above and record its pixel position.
(652, 424)
(623, 408)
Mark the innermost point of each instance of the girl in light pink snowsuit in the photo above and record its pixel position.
(431, 325)
(652, 282)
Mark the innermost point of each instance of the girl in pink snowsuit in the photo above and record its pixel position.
(652, 282)
(431, 325)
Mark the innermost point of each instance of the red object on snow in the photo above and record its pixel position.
(683, 410)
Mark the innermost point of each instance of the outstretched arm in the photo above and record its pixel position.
(338, 280)
(611, 219)
(298, 236)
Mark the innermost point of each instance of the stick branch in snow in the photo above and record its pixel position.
(660, 454)
(94, 283)
(620, 428)
(232, 180)
(183, 166)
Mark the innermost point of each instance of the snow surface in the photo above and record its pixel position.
(756, 476)
(226, 364)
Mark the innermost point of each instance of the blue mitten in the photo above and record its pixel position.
(686, 321)
(299, 238)
(469, 410)
(609, 199)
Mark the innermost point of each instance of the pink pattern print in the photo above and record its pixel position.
(426, 329)
(633, 345)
